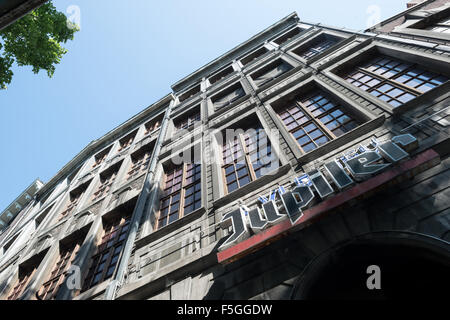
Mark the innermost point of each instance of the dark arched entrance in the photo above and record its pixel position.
(410, 268)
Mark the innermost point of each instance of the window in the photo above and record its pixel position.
(74, 200)
(100, 157)
(126, 141)
(287, 36)
(181, 194)
(220, 75)
(317, 46)
(67, 254)
(254, 55)
(271, 72)
(186, 121)
(245, 156)
(228, 96)
(104, 261)
(24, 277)
(139, 162)
(190, 93)
(106, 181)
(26, 272)
(442, 26)
(315, 119)
(153, 125)
(392, 80)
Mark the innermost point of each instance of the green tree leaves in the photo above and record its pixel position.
(34, 40)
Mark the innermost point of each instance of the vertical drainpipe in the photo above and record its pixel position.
(138, 210)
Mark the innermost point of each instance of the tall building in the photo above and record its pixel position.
(294, 166)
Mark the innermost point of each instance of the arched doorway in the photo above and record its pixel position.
(411, 266)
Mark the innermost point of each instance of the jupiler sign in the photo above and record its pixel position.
(355, 166)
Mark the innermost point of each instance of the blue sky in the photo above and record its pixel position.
(125, 57)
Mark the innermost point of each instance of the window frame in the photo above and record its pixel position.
(422, 26)
(127, 141)
(220, 75)
(440, 24)
(170, 169)
(153, 124)
(269, 67)
(285, 36)
(189, 93)
(370, 118)
(392, 80)
(26, 272)
(298, 101)
(313, 41)
(73, 203)
(58, 275)
(245, 155)
(225, 92)
(434, 64)
(254, 56)
(109, 251)
(142, 162)
(17, 291)
(101, 156)
(105, 186)
(190, 118)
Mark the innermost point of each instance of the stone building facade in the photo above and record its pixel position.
(161, 208)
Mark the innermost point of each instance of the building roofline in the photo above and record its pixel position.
(37, 184)
(340, 29)
(390, 19)
(237, 51)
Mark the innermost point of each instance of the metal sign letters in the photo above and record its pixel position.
(356, 165)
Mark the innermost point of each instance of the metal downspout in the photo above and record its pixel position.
(138, 210)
